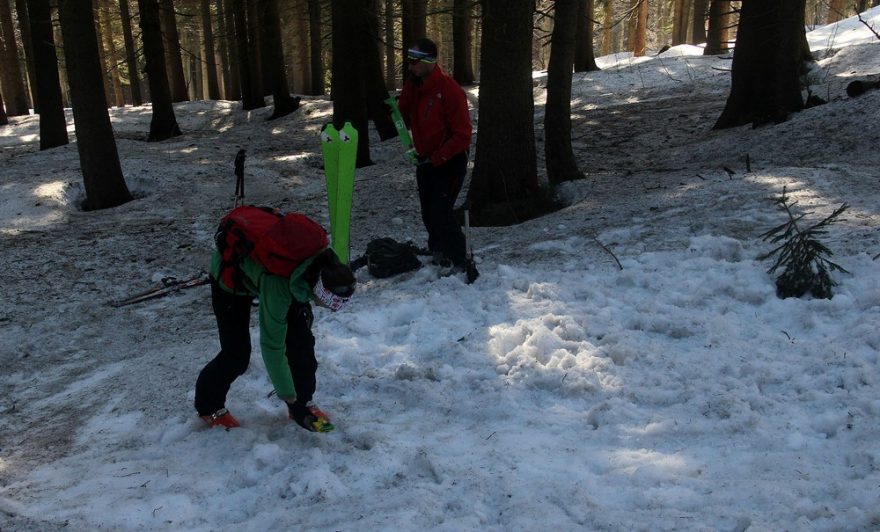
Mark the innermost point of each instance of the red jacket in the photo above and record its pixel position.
(437, 113)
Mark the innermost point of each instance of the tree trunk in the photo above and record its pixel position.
(349, 84)
(233, 88)
(837, 10)
(11, 78)
(302, 40)
(698, 31)
(111, 62)
(255, 50)
(390, 52)
(679, 29)
(316, 49)
(53, 124)
(248, 63)
(716, 40)
(584, 56)
(462, 66)
(102, 54)
(561, 165)
(163, 124)
(765, 77)
(171, 43)
(273, 48)
(504, 184)
(24, 26)
(210, 60)
(374, 82)
(639, 39)
(99, 161)
(607, 26)
(134, 77)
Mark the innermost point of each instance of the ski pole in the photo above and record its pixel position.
(239, 179)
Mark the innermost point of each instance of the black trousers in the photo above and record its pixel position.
(233, 315)
(438, 190)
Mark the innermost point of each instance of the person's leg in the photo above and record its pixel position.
(427, 182)
(233, 315)
(301, 351)
(451, 238)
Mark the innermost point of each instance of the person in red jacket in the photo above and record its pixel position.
(435, 108)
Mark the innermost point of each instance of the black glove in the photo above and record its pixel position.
(387, 108)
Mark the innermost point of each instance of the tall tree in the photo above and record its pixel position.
(99, 161)
(765, 77)
(24, 26)
(112, 65)
(561, 165)
(210, 57)
(134, 77)
(374, 82)
(11, 78)
(504, 183)
(389, 51)
(53, 124)
(284, 103)
(716, 35)
(231, 67)
(584, 55)
(316, 50)
(163, 124)
(640, 28)
(171, 44)
(698, 31)
(349, 84)
(248, 62)
(462, 31)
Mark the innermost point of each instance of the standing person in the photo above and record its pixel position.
(285, 315)
(435, 108)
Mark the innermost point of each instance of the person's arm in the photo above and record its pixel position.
(275, 302)
(458, 125)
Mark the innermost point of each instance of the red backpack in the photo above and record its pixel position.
(279, 242)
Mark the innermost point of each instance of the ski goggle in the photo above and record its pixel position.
(417, 56)
(330, 298)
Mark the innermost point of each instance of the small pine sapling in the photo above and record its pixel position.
(803, 258)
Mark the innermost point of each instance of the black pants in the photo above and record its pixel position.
(438, 190)
(233, 315)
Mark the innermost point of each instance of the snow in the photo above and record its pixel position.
(558, 392)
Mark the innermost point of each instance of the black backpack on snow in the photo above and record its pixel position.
(386, 257)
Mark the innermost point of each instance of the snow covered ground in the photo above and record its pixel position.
(559, 392)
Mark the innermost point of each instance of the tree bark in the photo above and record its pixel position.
(374, 81)
(639, 40)
(284, 103)
(111, 63)
(348, 88)
(53, 124)
(171, 43)
(316, 49)
(765, 77)
(584, 55)
(248, 63)
(134, 77)
(233, 88)
(163, 124)
(561, 165)
(698, 31)
(11, 78)
(716, 36)
(99, 160)
(390, 52)
(504, 183)
(462, 29)
(210, 57)
(24, 26)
